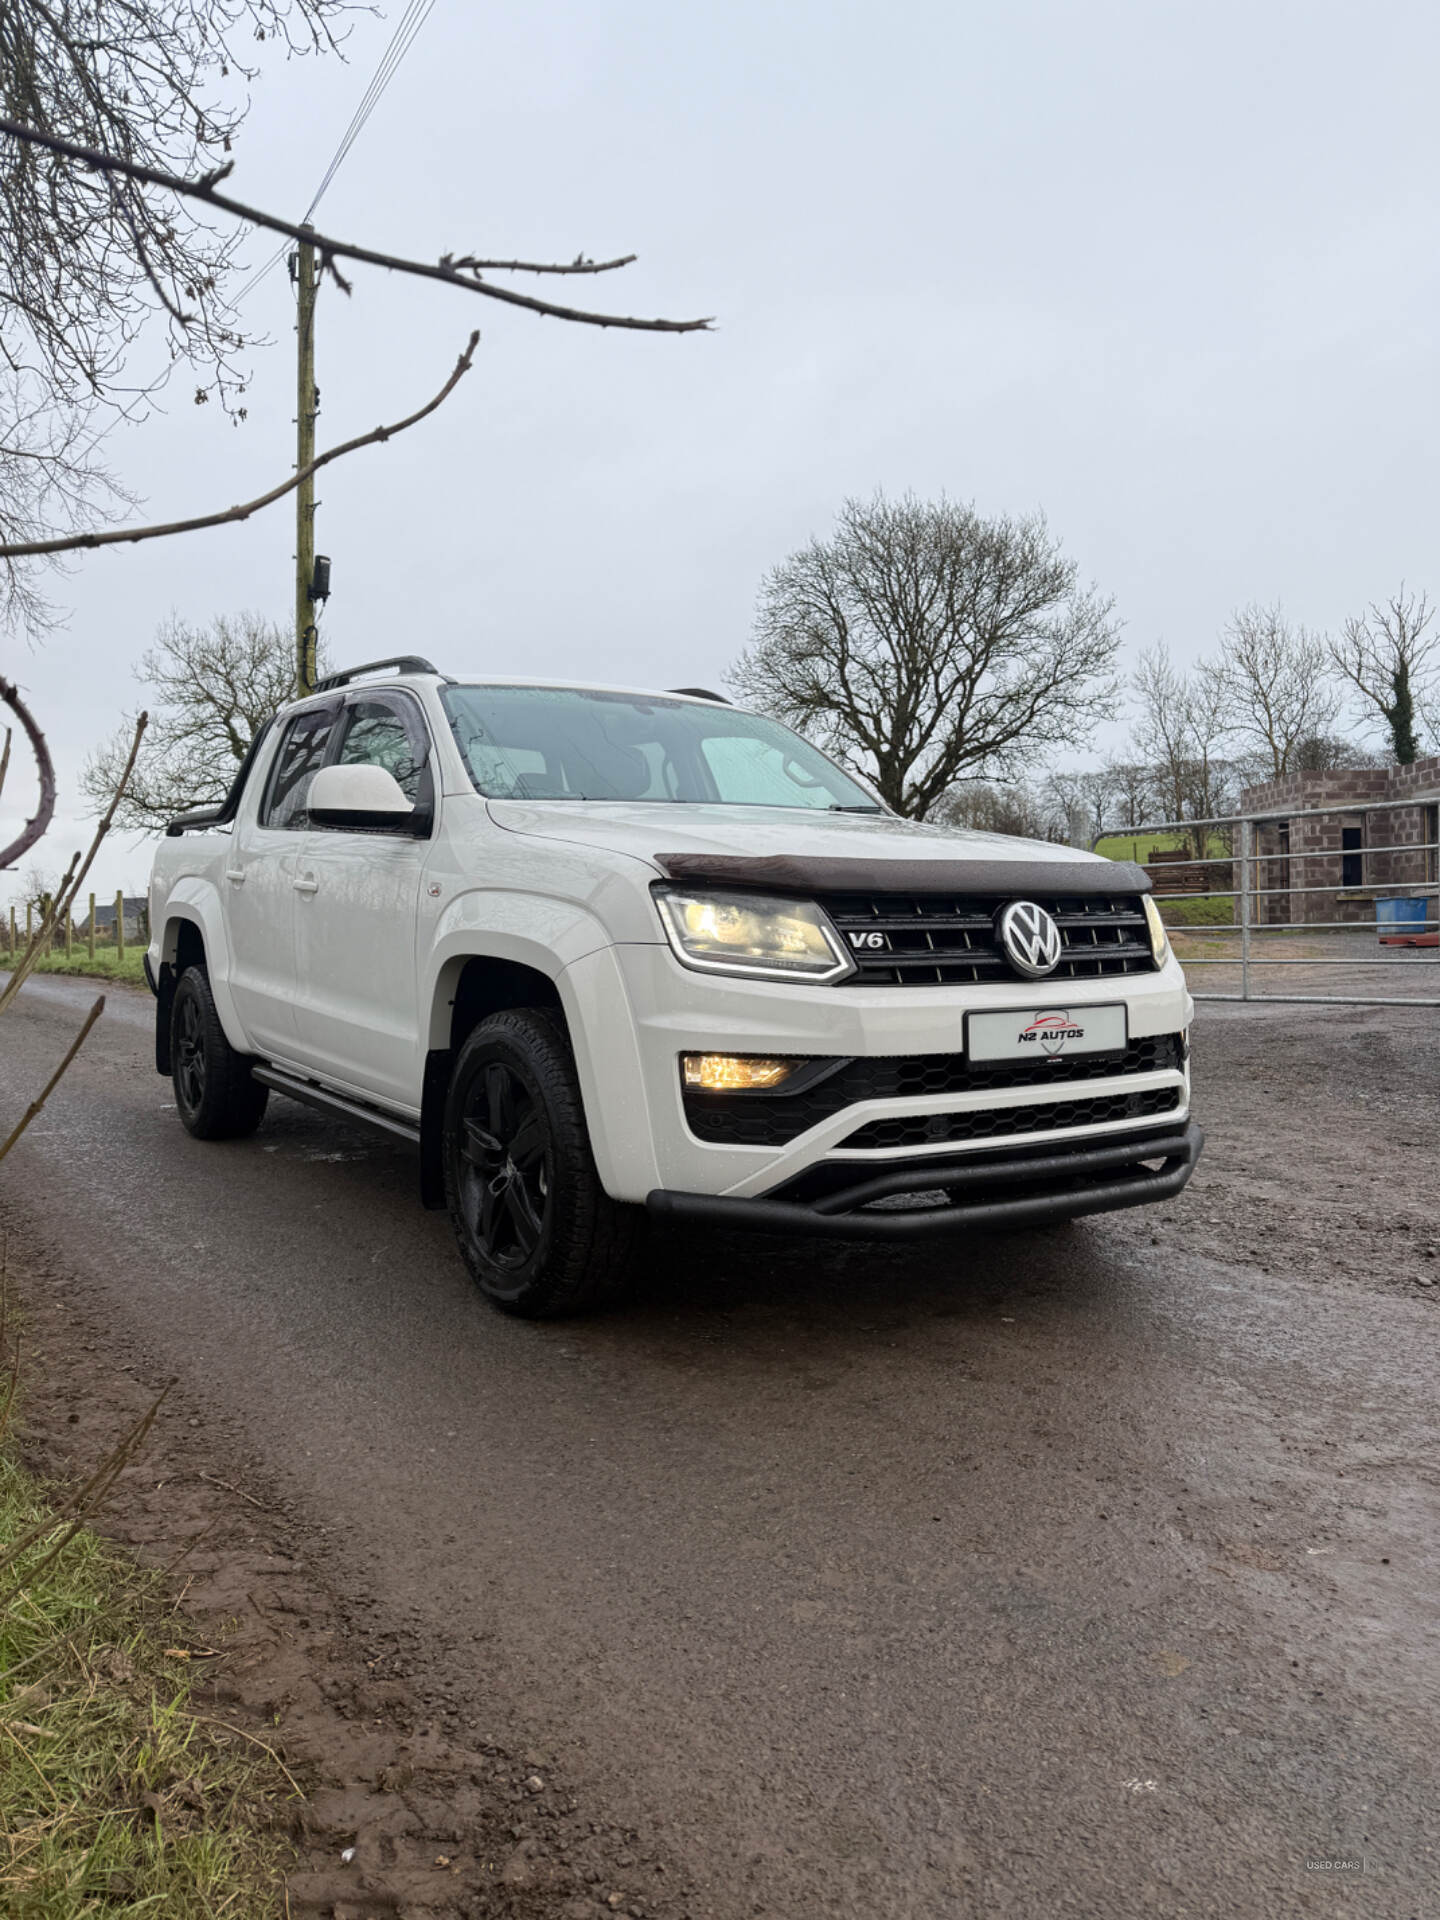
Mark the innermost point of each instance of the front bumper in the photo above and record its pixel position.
(1027, 1189)
(635, 1010)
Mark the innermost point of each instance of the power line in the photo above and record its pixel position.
(401, 41)
(261, 273)
(416, 13)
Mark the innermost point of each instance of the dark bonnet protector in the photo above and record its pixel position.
(799, 873)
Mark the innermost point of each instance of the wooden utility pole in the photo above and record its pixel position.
(306, 407)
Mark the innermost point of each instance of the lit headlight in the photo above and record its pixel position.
(744, 933)
(1159, 939)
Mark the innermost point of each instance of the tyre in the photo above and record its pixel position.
(214, 1093)
(538, 1232)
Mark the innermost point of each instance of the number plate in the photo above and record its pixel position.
(1033, 1033)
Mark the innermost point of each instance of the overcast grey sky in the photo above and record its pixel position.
(1168, 273)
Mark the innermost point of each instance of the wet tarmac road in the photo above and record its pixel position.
(1089, 1572)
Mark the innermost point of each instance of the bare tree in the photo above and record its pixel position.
(36, 889)
(91, 260)
(213, 687)
(50, 478)
(1331, 753)
(104, 276)
(1272, 686)
(1388, 654)
(983, 807)
(1179, 736)
(1078, 802)
(924, 645)
(1131, 786)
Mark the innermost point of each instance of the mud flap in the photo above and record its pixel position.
(164, 998)
(432, 1128)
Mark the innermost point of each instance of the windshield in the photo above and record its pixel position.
(561, 743)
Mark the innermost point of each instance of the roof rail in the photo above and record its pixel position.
(701, 693)
(402, 663)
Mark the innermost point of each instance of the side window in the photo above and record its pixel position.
(301, 755)
(379, 734)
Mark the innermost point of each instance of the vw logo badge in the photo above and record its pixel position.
(1030, 938)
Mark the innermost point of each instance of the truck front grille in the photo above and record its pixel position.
(998, 1123)
(945, 939)
(774, 1118)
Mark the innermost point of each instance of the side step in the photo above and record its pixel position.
(337, 1103)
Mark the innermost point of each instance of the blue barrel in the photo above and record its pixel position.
(1404, 915)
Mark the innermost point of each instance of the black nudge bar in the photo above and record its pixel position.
(1059, 1185)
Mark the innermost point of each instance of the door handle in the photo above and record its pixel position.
(237, 874)
(308, 885)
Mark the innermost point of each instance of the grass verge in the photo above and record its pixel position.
(105, 966)
(117, 1797)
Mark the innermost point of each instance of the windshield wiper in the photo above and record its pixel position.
(865, 809)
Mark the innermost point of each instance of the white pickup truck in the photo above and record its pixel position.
(600, 952)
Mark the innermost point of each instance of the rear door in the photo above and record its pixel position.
(357, 1004)
(260, 872)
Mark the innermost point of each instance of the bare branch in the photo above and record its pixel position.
(132, 227)
(64, 896)
(71, 543)
(50, 1085)
(34, 827)
(83, 1503)
(580, 264)
(448, 269)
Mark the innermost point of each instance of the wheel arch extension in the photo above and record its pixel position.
(468, 988)
(182, 945)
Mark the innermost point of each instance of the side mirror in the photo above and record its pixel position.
(361, 796)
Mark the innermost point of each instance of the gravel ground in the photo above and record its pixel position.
(1089, 1572)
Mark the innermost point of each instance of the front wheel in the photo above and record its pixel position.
(537, 1230)
(214, 1093)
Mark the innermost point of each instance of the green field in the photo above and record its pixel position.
(1139, 847)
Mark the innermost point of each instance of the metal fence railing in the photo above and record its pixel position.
(1390, 949)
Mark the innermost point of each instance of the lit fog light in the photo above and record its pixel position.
(733, 1072)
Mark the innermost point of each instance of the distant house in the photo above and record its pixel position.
(1364, 853)
(137, 917)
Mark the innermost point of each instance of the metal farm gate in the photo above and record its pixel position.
(1341, 895)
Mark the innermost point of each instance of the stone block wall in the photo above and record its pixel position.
(1306, 856)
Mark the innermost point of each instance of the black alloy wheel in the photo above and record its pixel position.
(188, 1052)
(536, 1228)
(215, 1095)
(505, 1173)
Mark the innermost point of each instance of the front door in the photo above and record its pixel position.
(357, 1008)
(260, 872)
